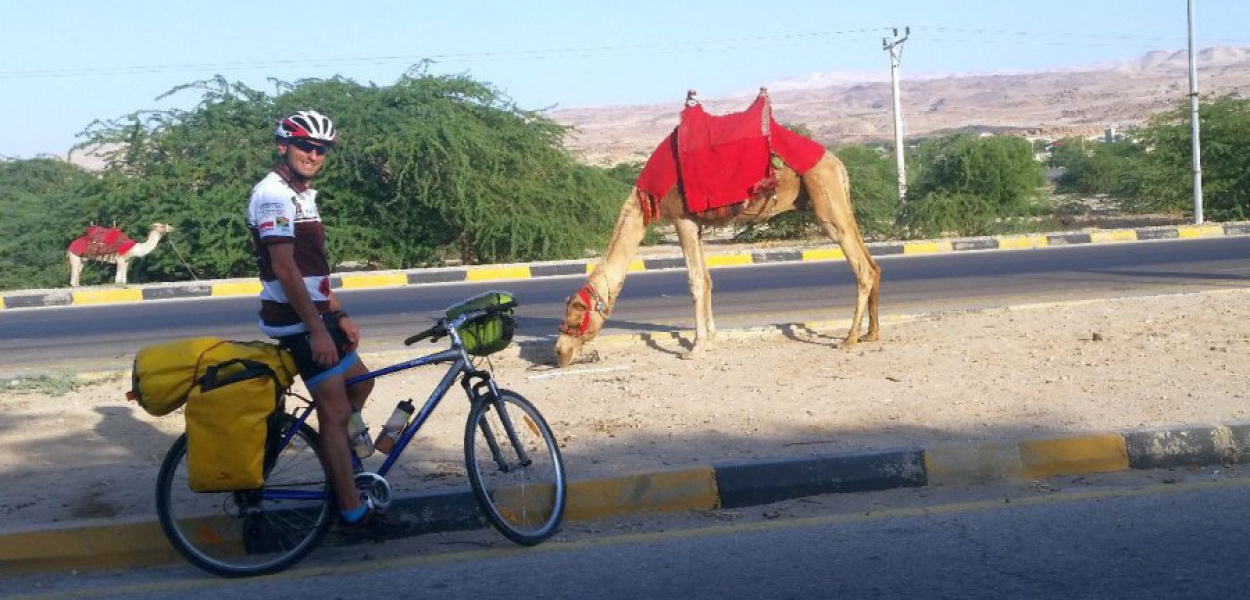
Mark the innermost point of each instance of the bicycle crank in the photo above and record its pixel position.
(376, 488)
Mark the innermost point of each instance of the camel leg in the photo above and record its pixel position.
(696, 275)
(75, 269)
(868, 281)
(123, 265)
(709, 318)
(832, 207)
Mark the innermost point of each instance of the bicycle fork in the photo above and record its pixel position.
(491, 394)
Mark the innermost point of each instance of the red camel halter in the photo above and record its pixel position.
(599, 305)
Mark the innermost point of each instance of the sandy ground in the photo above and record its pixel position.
(632, 406)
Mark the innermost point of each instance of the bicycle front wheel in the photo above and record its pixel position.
(515, 467)
(254, 532)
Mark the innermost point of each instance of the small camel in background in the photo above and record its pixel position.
(110, 245)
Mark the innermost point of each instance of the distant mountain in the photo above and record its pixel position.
(1077, 101)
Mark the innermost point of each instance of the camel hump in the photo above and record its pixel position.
(101, 241)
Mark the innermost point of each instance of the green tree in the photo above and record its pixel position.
(1072, 155)
(189, 168)
(874, 189)
(1099, 167)
(41, 202)
(972, 185)
(430, 168)
(626, 173)
(452, 162)
(1166, 176)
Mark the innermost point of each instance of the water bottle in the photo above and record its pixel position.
(394, 427)
(358, 434)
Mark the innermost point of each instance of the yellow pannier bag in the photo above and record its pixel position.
(164, 373)
(228, 419)
(230, 390)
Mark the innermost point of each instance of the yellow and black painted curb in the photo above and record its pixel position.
(137, 542)
(509, 272)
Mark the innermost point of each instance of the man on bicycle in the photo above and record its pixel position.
(297, 306)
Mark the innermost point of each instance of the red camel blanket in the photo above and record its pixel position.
(101, 241)
(722, 160)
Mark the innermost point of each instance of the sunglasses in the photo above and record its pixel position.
(309, 147)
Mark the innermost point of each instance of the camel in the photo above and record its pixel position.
(825, 188)
(102, 244)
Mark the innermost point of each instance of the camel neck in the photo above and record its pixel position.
(609, 275)
(146, 246)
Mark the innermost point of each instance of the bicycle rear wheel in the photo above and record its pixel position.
(515, 467)
(255, 532)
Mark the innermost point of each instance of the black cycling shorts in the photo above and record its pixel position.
(300, 345)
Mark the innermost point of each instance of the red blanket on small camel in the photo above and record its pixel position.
(722, 160)
(101, 241)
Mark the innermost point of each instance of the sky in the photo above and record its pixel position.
(65, 64)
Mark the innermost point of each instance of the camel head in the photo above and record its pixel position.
(161, 228)
(584, 315)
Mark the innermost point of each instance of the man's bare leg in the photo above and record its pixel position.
(333, 412)
(358, 393)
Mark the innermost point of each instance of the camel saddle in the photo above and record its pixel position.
(101, 242)
(722, 162)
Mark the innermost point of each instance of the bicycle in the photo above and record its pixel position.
(516, 472)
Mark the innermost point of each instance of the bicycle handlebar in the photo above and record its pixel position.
(441, 328)
(435, 332)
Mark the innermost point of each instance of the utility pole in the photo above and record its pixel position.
(1193, 118)
(895, 48)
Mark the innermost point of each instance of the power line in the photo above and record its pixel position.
(981, 32)
(950, 35)
(535, 54)
(1064, 43)
(1051, 38)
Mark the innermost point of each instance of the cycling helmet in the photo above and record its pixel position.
(308, 125)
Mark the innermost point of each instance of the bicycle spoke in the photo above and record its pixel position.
(516, 473)
(248, 533)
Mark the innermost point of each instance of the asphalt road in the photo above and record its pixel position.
(1144, 534)
(105, 337)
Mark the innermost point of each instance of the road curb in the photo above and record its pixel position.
(537, 270)
(139, 542)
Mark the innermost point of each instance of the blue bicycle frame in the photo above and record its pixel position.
(459, 366)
